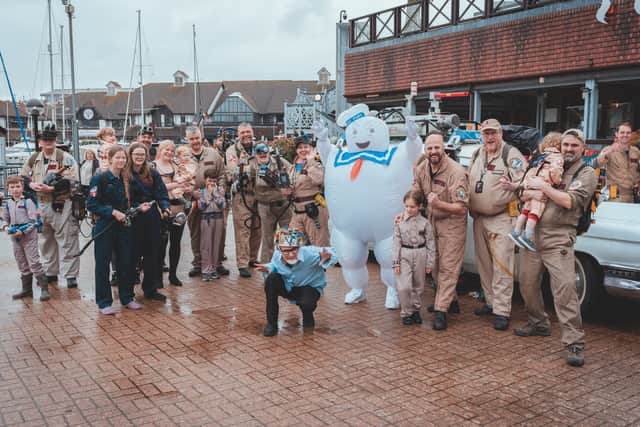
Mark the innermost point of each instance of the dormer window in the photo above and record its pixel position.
(112, 88)
(180, 78)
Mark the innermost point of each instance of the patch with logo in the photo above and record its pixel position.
(575, 185)
(93, 191)
(516, 164)
(461, 194)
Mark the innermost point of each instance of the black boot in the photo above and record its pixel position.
(439, 321)
(270, 330)
(416, 317)
(307, 319)
(44, 287)
(173, 279)
(27, 290)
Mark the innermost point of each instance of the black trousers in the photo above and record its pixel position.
(146, 229)
(171, 237)
(306, 298)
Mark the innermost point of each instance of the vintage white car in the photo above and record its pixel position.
(607, 256)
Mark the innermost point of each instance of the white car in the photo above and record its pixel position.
(607, 256)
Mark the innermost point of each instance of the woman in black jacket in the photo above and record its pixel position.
(146, 186)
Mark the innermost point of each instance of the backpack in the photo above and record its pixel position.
(585, 220)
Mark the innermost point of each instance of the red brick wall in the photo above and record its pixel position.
(559, 42)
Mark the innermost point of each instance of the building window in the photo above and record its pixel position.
(233, 110)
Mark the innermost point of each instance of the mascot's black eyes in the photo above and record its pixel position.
(371, 130)
(355, 132)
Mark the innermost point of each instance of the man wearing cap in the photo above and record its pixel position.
(51, 174)
(622, 163)
(494, 208)
(246, 221)
(555, 237)
(296, 272)
(445, 185)
(274, 207)
(145, 135)
(204, 158)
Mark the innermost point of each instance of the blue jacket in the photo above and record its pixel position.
(307, 271)
(106, 193)
(141, 191)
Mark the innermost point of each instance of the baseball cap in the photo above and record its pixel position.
(491, 124)
(575, 133)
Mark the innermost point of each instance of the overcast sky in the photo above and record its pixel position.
(236, 40)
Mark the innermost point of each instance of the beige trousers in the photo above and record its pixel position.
(410, 282)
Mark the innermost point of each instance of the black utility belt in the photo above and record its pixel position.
(212, 215)
(176, 202)
(414, 247)
(304, 199)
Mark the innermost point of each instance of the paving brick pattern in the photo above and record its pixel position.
(200, 359)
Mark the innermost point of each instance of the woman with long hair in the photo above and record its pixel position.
(146, 186)
(109, 200)
(168, 170)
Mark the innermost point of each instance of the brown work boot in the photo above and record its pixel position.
(532, 331)
(44, 287)
(27, 290)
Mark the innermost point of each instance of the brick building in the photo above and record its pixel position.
(543, 63)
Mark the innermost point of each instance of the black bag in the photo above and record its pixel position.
(585, 220)
(524, 138)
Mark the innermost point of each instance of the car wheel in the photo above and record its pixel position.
(588, 284)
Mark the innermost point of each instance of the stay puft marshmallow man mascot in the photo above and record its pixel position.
(364, 186)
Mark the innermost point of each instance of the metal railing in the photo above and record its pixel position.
(425, 15)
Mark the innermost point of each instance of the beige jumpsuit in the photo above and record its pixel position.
(555, 237)
(623, 171)
(307, 183)
(492, 222)
(273, 207)
(209, 158)
(451, 183)
(60, 230)
(414, 251)
(246, 221)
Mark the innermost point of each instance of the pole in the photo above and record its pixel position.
(64, 123)
(141, 81)
(195, 76)
(74, 121)
(15, 106)
(53, 99)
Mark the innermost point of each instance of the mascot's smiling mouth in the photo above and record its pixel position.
(363, 145)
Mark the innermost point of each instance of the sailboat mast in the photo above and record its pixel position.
(195, 76)
(140, 60)
(53, 102)
(64, 123)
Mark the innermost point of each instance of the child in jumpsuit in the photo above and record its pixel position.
(20, 217)
(548, 165)
(211, 204)
(414, 252)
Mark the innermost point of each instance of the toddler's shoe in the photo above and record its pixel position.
(515, 236)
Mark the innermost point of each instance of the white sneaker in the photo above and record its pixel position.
(392, 302)
(355, 296)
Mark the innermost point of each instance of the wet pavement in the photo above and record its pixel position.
(201, 359)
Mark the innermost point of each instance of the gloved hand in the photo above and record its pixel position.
(412, 129)
(320, 130)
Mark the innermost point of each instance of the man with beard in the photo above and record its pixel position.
(555, 237)
(204, 158)
(246, 222)
(621, 161)
(445, 185)
(145, 135)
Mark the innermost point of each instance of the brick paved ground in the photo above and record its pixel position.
(200, 359)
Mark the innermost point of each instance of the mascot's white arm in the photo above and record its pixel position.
(324, 146)
(413, 141)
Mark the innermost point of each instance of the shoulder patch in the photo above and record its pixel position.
(93, 191)
(461, 193)
(516, 164)
(575, 185)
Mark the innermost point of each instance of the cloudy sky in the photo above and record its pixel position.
(236, 39)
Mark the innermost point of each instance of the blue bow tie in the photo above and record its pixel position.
(344, 158)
